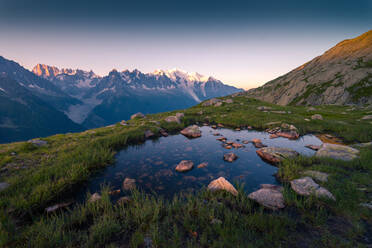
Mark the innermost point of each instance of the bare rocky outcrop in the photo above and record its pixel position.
(336, 77)
(222, 184)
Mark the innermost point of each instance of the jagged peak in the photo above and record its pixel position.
(48, 71)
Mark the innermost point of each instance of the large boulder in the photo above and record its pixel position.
(222, 184)
(191, 131)
(185, 165)
(175, 118)
(269, 196)
(137, 115)
(337, 152)
(275, 155)
(306, 186)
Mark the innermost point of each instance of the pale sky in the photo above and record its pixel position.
(242, 43)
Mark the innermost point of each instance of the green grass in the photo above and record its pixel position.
(361, 89)
(41, 176)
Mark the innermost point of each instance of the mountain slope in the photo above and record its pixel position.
(342, 75)
(125, 93)
(40, 87)
(24, 115)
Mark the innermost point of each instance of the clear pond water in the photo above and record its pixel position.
(152, 164)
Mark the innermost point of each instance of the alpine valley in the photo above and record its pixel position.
(54, 100)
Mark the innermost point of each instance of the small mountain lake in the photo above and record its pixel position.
(152, 164)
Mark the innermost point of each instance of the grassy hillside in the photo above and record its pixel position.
(42, 176)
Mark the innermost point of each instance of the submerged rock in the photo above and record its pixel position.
(306, 186)
(258, 143)
(95, 197)
(275, 155)
(230, 157)
(137, 115)
(293, 135)
(269, 196)
(185, 165)
(191, 131)
(317, 175)
(237, 145)
(129, 183)
(337, 152)
(222, 184)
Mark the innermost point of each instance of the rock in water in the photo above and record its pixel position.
(292, 135)
(317, 117)
(129, 183)
(306, 186)
(148, 134)
(313, 147)
(258, 143)
(230, 157)
(137, 115)
(269, 196)
(203, 165)
(191, 131)
(337, 152)
(222, 184)
(275, 155)
(185, 165)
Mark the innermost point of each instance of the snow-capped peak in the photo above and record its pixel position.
(177, 74)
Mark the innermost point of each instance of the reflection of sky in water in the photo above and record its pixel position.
(153, 163)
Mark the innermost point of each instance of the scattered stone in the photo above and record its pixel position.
(317, 117)
(337, 152)
(123, 123)
(124, 200)
(172, 118)
(13, 154)
(180, 115)
(292, 135)
(202, 165)
(275, 155)
(220, 125)
(137, 115)
(249, 127)
(258, 143)
(185, 165)
(263, 108)
(229, 101)
(292, 128)
(367, 117)
(306, 119)
(4, 186)
(273, 136)
(163, 133)
(306, 186)
(311, 109)
(223, 139)
(214, 126)
(218, 104)
(313, 147)
(210, 102)
(237, 129)
(191, 131)
(366, 205)
(222, 184)
(269, 196)
(237, 145)
(114, 192)
(227, 146)
(285, 125)
(148, 134)
(57, 206)
(216, 221)
(216, 134)
(230, 157)
(95, 197)
(129, 183)
(278, 112)
(38, 142)
(317, 175)
(245, 141)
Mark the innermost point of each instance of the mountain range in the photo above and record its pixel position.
(50, 100)
(342, 75)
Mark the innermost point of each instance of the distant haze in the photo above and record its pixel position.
(242, 43)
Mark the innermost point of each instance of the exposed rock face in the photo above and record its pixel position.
(337, 152)
(185, 165)
(222, 184)
(270, 196)
(191, 131)
(129, 183)
(336, 77)
(137, 115)
(230, 157)
(275, 155)
(317, 117)
(317, 175)
(306, 186)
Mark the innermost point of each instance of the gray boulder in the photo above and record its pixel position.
(306, 186)
(337, 152)
(269, 196)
